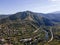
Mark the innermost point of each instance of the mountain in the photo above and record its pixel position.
(46, 19)
(31, 16)
(56, 12)
(30, 28)
(3, 16)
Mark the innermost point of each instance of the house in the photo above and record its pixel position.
(2, 39)
(26, 40)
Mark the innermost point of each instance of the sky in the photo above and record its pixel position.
(41, 6)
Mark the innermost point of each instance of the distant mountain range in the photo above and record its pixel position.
(46, 19)
(3, 16)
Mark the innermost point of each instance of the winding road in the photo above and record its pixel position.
(46, 33)
(36, 31)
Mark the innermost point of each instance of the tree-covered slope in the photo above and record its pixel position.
(29, 28)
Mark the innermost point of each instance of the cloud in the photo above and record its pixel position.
(55, 0)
